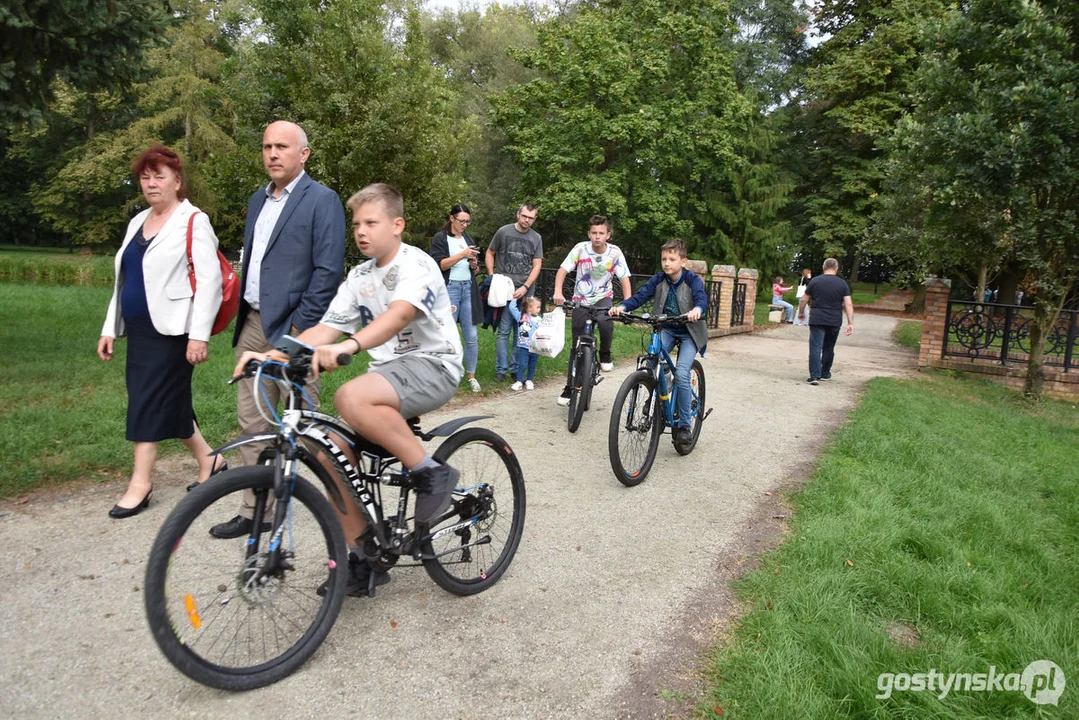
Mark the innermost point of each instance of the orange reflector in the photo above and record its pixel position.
(192, 612)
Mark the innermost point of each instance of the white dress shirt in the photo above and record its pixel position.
(264, 225)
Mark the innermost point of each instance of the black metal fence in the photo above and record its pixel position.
(738, 305)
(1001, 333)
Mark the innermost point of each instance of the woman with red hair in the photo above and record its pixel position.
(167, 324)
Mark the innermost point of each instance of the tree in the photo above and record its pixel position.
(180, 105)
(357, 77)
(634, 110)
(994, 145)
(89, 44)
(473, 50)
(857, 88)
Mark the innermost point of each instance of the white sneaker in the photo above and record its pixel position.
(516, 386)
(529, 385)
(606, 367)
(474, 384)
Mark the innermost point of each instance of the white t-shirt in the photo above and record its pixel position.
(412, 276)
(595, 272)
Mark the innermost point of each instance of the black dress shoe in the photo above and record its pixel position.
(215, 471)
(122, 512)
(236, 527)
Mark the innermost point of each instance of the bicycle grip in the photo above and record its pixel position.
(344, 359)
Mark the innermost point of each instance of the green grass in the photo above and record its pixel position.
(62, 410)
(55, 268)
(862, 293)
(760, 312)
(909, 333)
(947, 506)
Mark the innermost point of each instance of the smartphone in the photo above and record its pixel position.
(293, 347)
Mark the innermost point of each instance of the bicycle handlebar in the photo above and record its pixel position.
(652, 319)
(295, 370)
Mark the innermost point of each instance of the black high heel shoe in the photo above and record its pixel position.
(215, 471)
(122, 512)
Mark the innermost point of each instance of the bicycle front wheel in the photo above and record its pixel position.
(220, 613)
(636, 423)
(696, 417)
(491, 498)
(582, 384)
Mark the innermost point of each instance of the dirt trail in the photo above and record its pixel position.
(611, 595)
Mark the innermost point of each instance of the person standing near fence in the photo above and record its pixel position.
(456, 253)
(830, 296)
(516, 251)
(597, 263)
(294, 259)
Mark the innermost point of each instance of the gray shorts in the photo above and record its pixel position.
(423, 384)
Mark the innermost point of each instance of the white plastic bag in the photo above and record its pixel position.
(800, 292)
(550, 335)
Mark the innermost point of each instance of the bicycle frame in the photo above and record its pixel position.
(667, 395)
(373, 468)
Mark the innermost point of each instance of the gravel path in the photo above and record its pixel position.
(611, 595)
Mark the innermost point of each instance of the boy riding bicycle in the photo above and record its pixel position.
(597, 262)
(395, 307)
(676, 291)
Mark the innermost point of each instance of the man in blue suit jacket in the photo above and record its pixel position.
(294, 259)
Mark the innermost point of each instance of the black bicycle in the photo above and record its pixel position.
(240, 614)
(584, 367)
(647, 403)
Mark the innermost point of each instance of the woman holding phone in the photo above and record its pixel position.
(456, 254)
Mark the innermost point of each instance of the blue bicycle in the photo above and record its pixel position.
(646, 404)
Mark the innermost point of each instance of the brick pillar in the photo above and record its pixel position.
(725, 275)
(934, 330)
(749, 277)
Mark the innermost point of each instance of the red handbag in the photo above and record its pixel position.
(230, 284)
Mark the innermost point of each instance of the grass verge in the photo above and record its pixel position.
(909, 333)
(63, 410)
(939, 531)
(55, 268)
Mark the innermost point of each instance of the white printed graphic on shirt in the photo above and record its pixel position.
(411, 276)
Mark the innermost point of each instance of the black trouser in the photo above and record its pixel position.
(605, 322)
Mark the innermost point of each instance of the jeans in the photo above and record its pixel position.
(787, 307)
(461, 298)
(687, 351)
(507, 328)
(822, 350)
(526, 361)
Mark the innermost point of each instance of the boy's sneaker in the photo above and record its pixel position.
(563, 399)
(474, 384)
(516, 386)
(813, 381)
(499, 377)
(529, 385)
(434, 490)
(359, 582)
(825, 377)
(682, 435)
(606, 367)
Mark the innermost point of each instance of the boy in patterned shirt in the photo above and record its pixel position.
(396, 308)
(597, 263)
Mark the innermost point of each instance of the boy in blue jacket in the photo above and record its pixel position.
(676, 291)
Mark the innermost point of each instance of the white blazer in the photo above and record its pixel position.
(173, 310)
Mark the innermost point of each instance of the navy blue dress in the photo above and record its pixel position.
(158, 373)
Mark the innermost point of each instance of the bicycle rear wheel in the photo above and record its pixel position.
(696, 419)
(491, 494)
(214, 614)
(636, 423)
(581, 387)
